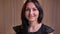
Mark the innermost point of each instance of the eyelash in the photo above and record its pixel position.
(29, 9)
(34, 9)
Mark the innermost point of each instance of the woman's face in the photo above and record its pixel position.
(31, 12)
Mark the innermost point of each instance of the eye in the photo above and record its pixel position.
(34, 9)
(27, 9)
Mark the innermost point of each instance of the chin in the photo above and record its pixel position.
(31, 20)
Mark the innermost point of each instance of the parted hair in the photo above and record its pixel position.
(38, 6)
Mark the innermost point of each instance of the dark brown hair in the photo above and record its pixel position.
(23, 18)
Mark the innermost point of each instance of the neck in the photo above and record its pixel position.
(32, 24)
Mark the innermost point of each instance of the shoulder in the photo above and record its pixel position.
(47, 29)
(17, 28)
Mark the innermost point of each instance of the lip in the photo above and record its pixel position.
(31, 16)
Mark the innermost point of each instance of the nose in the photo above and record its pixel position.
(31, 12)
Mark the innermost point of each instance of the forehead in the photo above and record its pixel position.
(31, 5)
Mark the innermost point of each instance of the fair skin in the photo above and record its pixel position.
(31, 14)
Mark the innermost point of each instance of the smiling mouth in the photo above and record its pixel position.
(31, 16)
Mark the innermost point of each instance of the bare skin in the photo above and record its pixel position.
(31, 14)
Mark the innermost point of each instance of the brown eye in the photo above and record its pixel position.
(27, 9)
(34, 9)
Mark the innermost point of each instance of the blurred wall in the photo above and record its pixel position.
(10, 11)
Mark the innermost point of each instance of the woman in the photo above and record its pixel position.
(31, 16)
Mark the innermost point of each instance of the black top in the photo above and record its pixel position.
(43, 30)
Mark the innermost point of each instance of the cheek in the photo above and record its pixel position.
(26, 14)
(37, 14)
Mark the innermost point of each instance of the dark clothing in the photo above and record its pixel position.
(43, 30)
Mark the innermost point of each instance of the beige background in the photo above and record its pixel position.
(10, 11)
